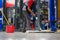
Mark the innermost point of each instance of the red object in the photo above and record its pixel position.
(30, 2)
(32, 26)
(9, 5)
(9, 28)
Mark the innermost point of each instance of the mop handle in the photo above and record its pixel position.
(5, 19)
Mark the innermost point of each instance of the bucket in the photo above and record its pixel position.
(10, 28)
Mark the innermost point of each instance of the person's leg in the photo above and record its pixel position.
(31, 18)
(34, 19)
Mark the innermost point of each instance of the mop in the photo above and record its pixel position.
(9, 28)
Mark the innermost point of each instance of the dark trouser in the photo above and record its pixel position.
(33, 8)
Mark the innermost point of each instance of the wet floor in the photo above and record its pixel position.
(29, 36)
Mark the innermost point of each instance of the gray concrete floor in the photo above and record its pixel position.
(29, 36)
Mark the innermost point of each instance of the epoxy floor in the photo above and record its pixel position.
(29, 36)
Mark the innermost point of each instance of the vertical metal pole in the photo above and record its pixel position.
(15, 7)
(57, 12)
(4, 8)
(22, 27)
(57, 9)
(21, 6)
(44, 9)
(38, 14)
(15, 14)
(49, 10)
(5, 12)
(55, 4)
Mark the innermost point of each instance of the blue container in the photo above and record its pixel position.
(0, 16)
(0, 3)
(1, 26)
(52, 16)
(1, 21)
